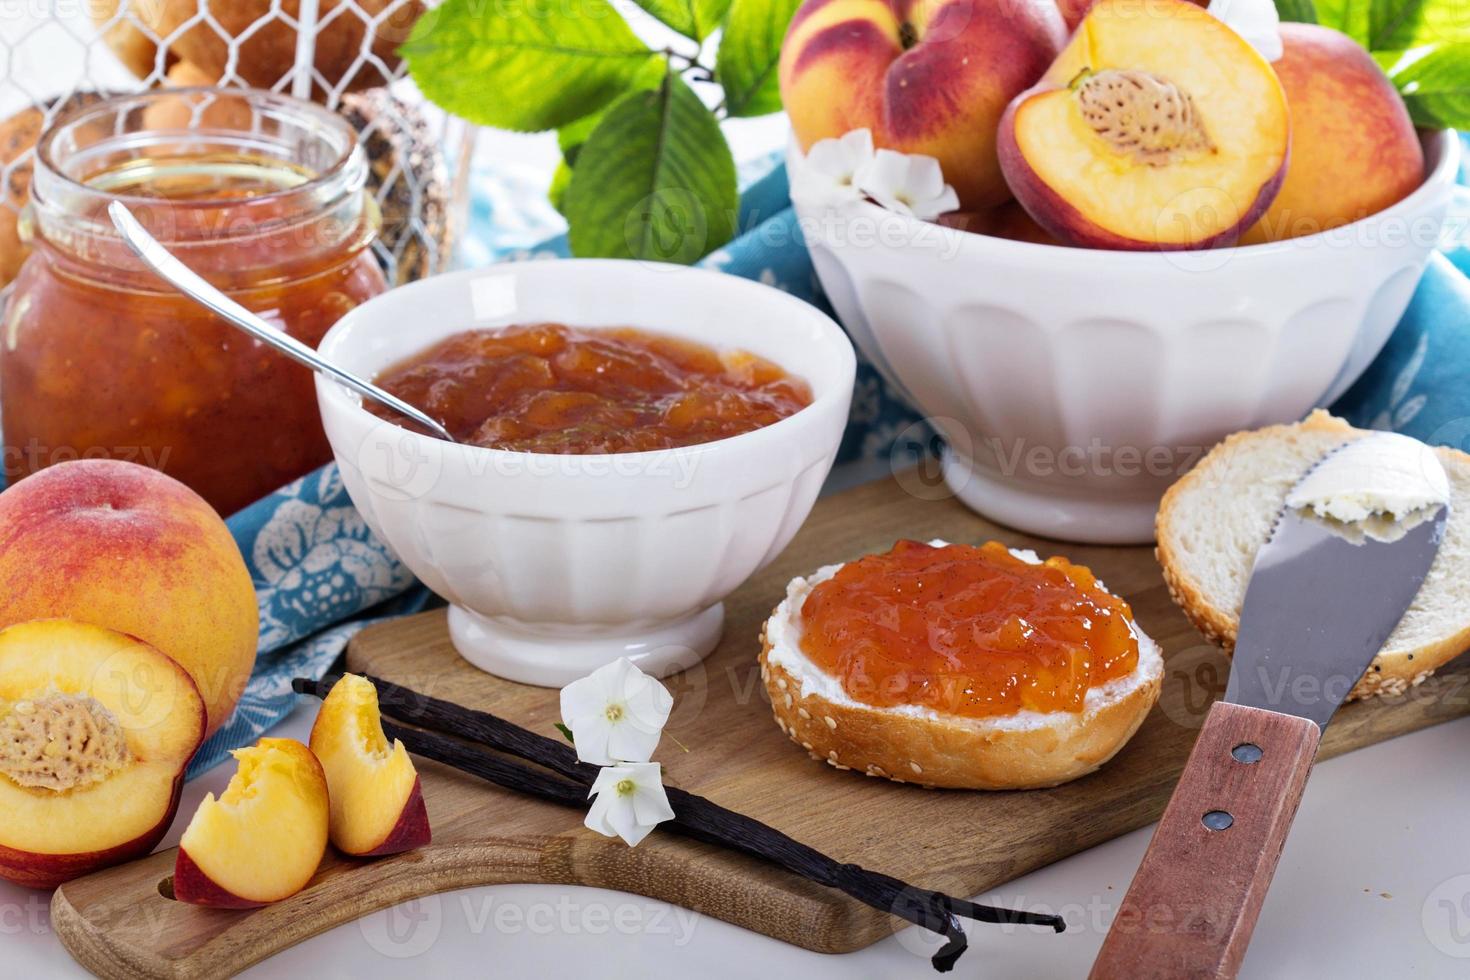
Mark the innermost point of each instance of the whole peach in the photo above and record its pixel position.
(127, 548)
(929, 78)
(1354, 151)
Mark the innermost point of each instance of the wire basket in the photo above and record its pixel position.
(336, 52)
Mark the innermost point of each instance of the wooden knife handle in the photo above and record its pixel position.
(1193, 904)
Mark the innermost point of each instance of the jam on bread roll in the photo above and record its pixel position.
(969, 667)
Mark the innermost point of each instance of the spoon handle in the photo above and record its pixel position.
(188, 282)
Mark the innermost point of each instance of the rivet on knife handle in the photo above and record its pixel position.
(1194, 902)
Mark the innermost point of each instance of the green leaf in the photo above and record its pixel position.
(1435, 84)
(1300, 11)
(557, 192)
(1402, 24)
(692, 18)
(1395, 25)
(524, 64)
(655, 180)
(749, 52)
(566, 733)
(571, 136)
(1349, 16)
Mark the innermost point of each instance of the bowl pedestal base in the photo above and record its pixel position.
(1084, 518)
(547, 656)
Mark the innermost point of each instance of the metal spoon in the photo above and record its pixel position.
(188, 282)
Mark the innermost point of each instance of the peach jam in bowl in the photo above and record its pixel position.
(556, 560)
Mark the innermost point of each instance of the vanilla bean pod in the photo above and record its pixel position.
(695, 816)
(477, 762)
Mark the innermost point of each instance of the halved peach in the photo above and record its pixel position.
(1157, 127)
(264, 838)
(377, 798)
(96, 729)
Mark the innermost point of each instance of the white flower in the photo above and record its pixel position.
(908, 184)
(616, 714)
(828, 176)
(630, 801)
(1255, 20)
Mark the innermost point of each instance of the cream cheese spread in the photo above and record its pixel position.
(1379, 485)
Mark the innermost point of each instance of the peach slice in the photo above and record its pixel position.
(377, 798)
(264, 838)
(1157, 127)
(96, 729)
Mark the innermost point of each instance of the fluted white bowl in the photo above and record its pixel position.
(1072, 386)
(555, 565)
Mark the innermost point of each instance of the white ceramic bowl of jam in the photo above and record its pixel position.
(555, 564)
(1073, 386)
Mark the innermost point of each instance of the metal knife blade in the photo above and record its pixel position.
(1318, 608)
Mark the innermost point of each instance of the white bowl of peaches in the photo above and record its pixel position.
(1161, 236)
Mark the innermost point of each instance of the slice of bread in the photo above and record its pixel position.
(910, 744)
(1213, 521)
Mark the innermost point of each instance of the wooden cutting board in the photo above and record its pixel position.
(117, 923)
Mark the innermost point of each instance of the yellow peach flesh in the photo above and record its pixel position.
(264, 837)
(371, 780)
(119, 809)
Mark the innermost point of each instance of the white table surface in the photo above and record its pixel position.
(1374, 881)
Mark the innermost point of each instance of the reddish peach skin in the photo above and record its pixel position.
(193, 886)
(1157, 128)
(412, 830)
(46, 872)
(264, 838)
(1073, 11)
(52, 833)
(377, 797)
(128, 548)
(925, 78)
(1354, 151)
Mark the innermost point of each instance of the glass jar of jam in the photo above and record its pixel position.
(259, 193)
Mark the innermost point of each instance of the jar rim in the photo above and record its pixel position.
(346, 172)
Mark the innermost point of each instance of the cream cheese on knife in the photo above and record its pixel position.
(1380, 485)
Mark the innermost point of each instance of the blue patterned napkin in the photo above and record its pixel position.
(321, 576)
(1420, 383)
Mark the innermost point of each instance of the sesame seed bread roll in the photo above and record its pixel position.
(916, 744)
(1215, 519)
